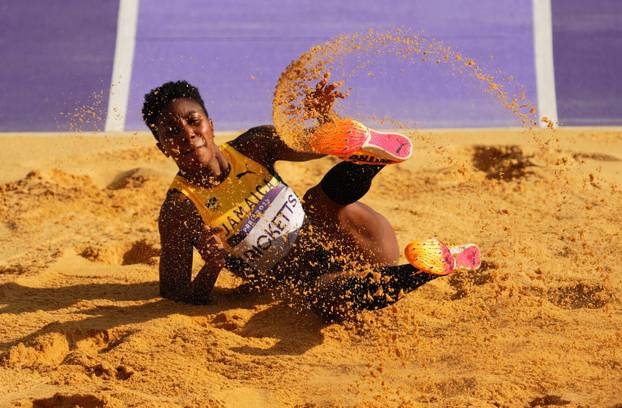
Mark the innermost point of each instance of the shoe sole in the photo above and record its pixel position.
(352, 141)
(467, 257)
(381, 148)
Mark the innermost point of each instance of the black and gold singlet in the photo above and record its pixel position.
(259, 214)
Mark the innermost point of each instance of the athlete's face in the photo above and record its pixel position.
(186, 134)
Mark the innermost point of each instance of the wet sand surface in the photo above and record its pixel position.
(81, 322)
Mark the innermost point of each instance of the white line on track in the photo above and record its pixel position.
(545, 68)
(122, 67)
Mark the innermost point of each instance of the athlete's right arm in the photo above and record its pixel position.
(180, 225)
(176, 248)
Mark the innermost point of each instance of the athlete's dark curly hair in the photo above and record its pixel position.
(161, 96)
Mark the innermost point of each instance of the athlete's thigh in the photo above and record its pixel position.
(355, 226)
(372, 232)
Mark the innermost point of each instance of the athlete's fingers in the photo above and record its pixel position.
(211, 254)
(216, 242)
(209, 241)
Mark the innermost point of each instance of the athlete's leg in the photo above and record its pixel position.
(333, 210)
(332, 206)
(337, 217)
(369, 281)
(340, 294)
(346, 182)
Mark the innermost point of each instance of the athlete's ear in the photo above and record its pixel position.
(210, 123)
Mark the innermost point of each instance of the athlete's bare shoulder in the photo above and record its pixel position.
(257, 143)
(178, 213)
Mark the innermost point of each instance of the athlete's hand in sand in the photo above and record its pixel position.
(210, 247)
(318, 103)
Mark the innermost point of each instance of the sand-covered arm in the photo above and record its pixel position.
(181, 228)
(263, 144)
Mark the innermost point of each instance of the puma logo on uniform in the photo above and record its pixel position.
(212, 203)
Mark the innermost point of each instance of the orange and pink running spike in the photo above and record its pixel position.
(433, 256)
(352, 141)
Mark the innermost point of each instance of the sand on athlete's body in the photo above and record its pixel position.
(540, 324)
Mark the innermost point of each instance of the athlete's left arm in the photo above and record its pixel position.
(264, 145)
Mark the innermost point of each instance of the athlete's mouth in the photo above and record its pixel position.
(192, 150)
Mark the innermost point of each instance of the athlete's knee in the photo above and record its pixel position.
(347, 182)
(372, 232)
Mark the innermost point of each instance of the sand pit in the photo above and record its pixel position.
(81, 323)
